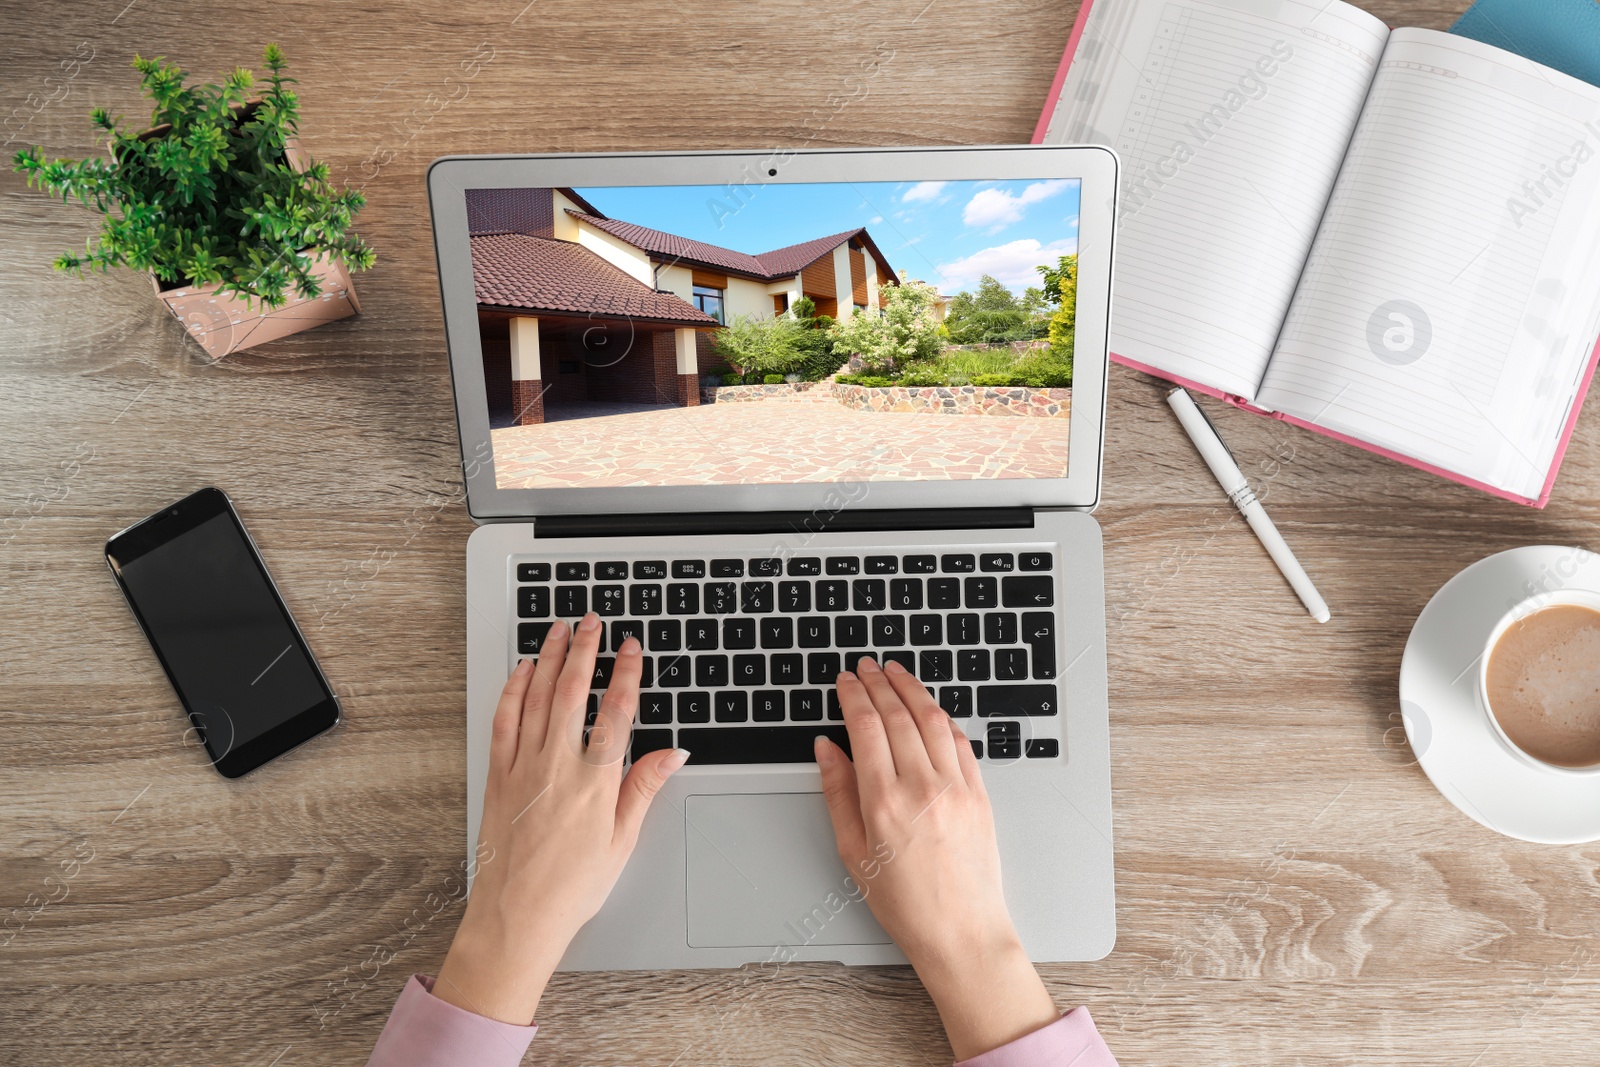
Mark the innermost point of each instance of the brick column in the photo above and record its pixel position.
(688, 369)
(527, 390)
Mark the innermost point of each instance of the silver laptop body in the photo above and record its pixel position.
(568, 281)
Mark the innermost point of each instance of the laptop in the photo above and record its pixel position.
(770, 412)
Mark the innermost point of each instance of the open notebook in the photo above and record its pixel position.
(1392, 238)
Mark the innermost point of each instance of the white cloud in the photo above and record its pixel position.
(1014, 264)
(922, 191)
(874, 220)
(995, 209)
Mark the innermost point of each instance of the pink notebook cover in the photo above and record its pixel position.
(1239, 402)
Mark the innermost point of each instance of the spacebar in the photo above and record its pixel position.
(757, 744)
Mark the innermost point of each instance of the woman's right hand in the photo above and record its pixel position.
(916, 834)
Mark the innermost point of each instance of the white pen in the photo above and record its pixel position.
(1220, 460)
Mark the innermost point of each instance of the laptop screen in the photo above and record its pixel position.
(787, 333)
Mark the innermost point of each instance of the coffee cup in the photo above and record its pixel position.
(1539, 681)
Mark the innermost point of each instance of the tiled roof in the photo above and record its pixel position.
(516, 270)
(675, 247)
(782, 262)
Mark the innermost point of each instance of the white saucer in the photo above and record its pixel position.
(1444, 719)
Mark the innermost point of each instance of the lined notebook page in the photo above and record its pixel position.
(1231, 118)
(1452, 299)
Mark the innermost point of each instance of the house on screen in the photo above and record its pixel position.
(574, 306)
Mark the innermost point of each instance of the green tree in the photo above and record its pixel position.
(1061, 288)
(904, 332)
(994, 315)
(759, 347)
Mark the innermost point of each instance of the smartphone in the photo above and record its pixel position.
(224, 636)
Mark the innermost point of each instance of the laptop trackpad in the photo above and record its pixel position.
(764, 871)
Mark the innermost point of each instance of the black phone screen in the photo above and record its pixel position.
(240, 666)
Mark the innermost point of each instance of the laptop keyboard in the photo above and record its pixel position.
(740, 655)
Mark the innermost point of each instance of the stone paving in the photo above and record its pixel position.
(804, 438)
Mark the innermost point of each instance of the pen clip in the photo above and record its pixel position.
(1214, 433)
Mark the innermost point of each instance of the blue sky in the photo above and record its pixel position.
(946, 233)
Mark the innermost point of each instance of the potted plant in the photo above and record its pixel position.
(243, 236)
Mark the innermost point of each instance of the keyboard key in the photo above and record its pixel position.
(533, 602)
(805, 565)
(927, 630)
(1039, 632)
(788, 668)
(738, 633)
(982, 592)
(1010, 664)
(956, 700)
(649, 570)
(655, 708)
(696, 707)
(888, 631)
(814, 632)
(572, 572)
(603, 667)
(1000, 628)
(850, 631)
(688, 568)
(610, 571)
(766, 568)
(1005, 740)
(957, 563)
(844, 565)
(904, 656)
(623, 629)
(822, 668)
(883, 565)
(666, 635)
(1042, 748)
(758, 744)
(777, 632)
(700, 635)
(609, 600)
(721, 598)
(944, 592)
(647, 672)
(1028, 591)
(572, 601)
(794, 597)
(936, 665)
(727, 568)
(711, 672)
(805, 705)
(683, 598)
(870, 594)
(833, 596)
(732, 706)
(646, 741)
(766, 705)
(961, 628)
(750, 670)
(852, 659)
(905, 594)
(533, 572)
(1034, 561)
(644, 600)
(755, 598)
(921, 564)
(972, 665)
(997, 561)
(672, 672)
(1017, 700)
(977, 748)
(530, 637)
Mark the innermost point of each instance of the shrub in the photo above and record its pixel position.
(761, 346)
(212, 199)
(870, 381)
(922, 374)
(904, 332)
(1046, 368)
(1005, 378)
(732, 379)
(772, 379)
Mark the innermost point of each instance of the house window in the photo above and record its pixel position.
(709, 300)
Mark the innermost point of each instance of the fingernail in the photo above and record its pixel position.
(523, 666)
(630, 647)
(893, 667)
(824, 750)
(673, 760)
(866, 665)
(846, 676)
(590, 622)
(557, 629)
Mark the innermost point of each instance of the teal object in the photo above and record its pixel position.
(1564, 34)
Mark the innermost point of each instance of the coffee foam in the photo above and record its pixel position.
(1543, 685)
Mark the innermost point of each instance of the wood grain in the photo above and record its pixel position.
(1291, 888)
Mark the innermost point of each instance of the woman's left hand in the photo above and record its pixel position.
(559, 822)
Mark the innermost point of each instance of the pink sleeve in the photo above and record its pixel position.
(1070, 1041)
(424, 1031)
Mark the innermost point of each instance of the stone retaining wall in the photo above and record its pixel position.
(736, 394)
(958, 399)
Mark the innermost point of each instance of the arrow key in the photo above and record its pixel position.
(1017, 700)
(1027, 590)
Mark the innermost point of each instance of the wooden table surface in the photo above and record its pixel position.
(1291, 889)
